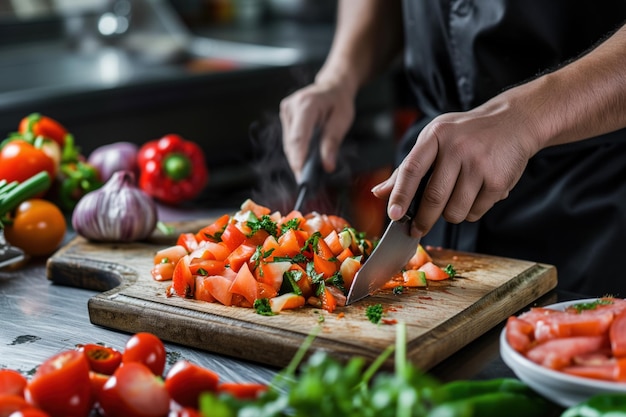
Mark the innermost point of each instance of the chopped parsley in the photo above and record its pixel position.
(374, 313)
(264, 223)
(592, 305)
(262, 306)
(449, 269)
(290, 224)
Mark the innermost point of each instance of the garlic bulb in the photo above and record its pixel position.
(117, 212)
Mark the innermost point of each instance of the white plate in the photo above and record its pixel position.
(561, 388)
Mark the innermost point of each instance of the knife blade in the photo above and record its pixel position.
(9, 254)
(310, 171)
(392, 253)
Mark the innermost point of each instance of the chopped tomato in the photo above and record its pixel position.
(326, 267)
(420, 258)
(348, 269)
(414, 278)
(232, 236)
(433, 272)
(240, 256)
(257, 209)
(187, 241)
(245, 284)
(219, 287)
(213, 232)
(329, 303)
(206, 267)
(203, 291)
(286, 301)
(183, 281)
(559, 353)
(271, 273)
(289, 244)
(170, 254)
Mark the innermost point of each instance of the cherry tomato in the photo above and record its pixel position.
(30, 412)
(184, 412)
(97, 383)
(134, 391)
(12, 382)
(38, 227)
(19, 160)
(61, 385)
(185, 382)
(242, 390)
(145, 348)
(39, 125)
(10, 403)
(102, 359)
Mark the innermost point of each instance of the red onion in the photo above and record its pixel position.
(117, 156)
(116, 212)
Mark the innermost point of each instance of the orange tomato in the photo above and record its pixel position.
(38, 227)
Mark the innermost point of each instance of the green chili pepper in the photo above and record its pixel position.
(602, 405)
(458, 390)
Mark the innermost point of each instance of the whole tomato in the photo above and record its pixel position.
(61, 385)
(12, 382)
(19, 160)
(37, 227)
(102, 359)
(134, 391)
(147, 349)
(185, 382)
(36, 124)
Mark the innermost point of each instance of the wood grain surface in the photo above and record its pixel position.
(440, 319)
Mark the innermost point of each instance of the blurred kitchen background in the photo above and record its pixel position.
(213, 71)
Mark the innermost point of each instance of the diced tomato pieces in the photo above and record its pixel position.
(604, 371)
(240, 256)
(245, 284)
(206, 267)
(213, 232)
(289, 244)
(170, 254)
(562, 324)
(329, 303)
(420, 258)
(617, 334)
(433, 272)
(414, 278)
(219, 250)
(163, 271)
(338, 222)
(286, 301)
(348, 269)
(257, 209)
(271, 273)
(187, 241)
(232, 236)
(183, 281)
(324, 266)
(219, 288)
(203, 290)
(344, 254)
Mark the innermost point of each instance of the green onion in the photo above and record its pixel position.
(13, 193)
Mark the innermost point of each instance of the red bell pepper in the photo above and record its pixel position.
(172, 169)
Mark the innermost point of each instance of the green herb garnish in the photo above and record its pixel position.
(374, 313)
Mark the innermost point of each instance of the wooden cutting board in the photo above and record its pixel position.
(440, 319)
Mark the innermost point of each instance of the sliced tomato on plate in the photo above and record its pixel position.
(617, 334)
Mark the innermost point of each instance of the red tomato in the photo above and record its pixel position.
(12, 382)
(433, 272)
(213, 232)
(183, 282)
(30, 412)
(61, 385)
(519, 333)
(19, 160)
(97, 383)
(145, 348)
(185, 382)
(243, 390)
(245, 284)
(558, 353)
(10, 403)
(134, 391)
(617, 334)
(39, 125)
(184, 412)
(102, 359)
(38, 227)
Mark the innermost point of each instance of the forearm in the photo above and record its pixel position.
(368, 37)
(583, 99)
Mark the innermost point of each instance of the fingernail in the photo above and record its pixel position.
(395, 212)
(376, 188)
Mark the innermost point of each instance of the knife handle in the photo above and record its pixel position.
(417, 198)
(311, 166)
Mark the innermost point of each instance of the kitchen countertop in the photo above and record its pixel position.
(41, 319)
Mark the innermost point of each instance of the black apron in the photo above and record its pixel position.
(569, 207)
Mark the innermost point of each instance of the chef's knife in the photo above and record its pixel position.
(310, 170)
(393, 252)
(9, 254)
